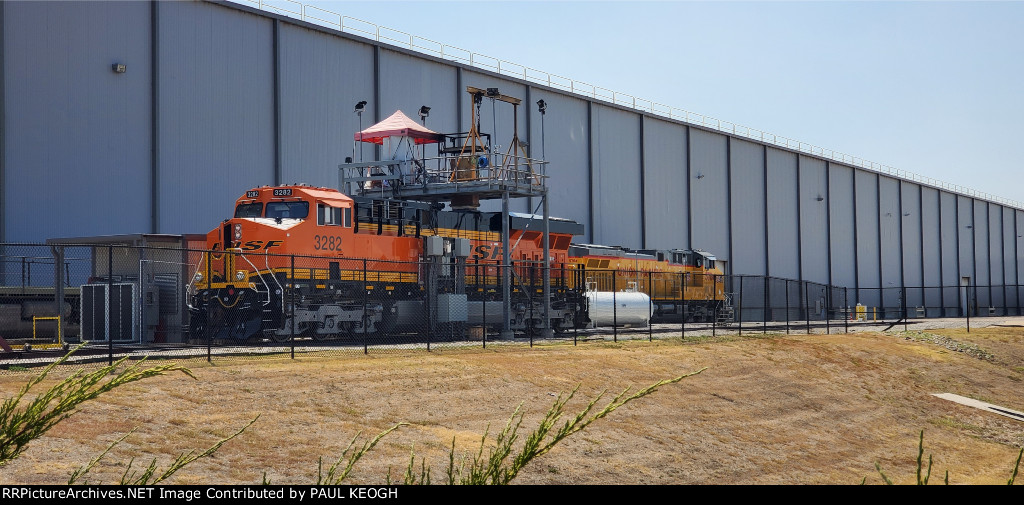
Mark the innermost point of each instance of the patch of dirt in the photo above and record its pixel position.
(770, 409)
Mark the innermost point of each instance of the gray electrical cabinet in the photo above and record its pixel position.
(108, 312)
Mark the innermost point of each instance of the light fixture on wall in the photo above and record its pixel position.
(820, 198)
(542, 106)
(119, 68)
(424, 112)
(905, 214)
(700, 175)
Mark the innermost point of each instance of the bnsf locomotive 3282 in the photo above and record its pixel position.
(302, 260)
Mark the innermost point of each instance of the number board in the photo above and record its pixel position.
(283, 192)
(252, 194)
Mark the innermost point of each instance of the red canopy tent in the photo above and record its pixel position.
(398, 125)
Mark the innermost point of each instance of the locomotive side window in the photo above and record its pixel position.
(327, 215)
(254, 209)
(287, 210)
(348, 217)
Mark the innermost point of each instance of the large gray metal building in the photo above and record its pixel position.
(216, 98)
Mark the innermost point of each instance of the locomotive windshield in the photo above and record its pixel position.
(287, 210)
(254, 209)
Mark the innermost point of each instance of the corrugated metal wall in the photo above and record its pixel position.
(218, 98)
(70, 118)
(748, 207)
(216, 110)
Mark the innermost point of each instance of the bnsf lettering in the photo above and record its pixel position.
(251, 245)
(483, 252)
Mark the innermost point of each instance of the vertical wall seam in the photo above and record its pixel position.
(942, 271)
(878, 201)
(1002, 251)
(154, 130)
(799, 226)
(828, 217)
(856, 243)
(643, 189)
(764, 176)
(728, 202)
(689, 194)
(3, 125)
(899, 232)
(920, 230)
(1016, 259)
(278, 168)
(529, 140)
(590, 168)
(458, 100)
(988, 249)
(377, 149)
(974, 243)
(956, 233)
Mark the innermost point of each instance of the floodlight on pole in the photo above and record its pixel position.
(360, 107)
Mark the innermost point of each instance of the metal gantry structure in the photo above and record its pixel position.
(468, 168)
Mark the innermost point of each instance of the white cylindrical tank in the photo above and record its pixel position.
(622, 308)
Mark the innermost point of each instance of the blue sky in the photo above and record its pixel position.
(933, 88)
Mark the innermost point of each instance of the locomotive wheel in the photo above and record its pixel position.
(328, 324)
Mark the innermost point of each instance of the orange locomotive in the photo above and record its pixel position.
(300, 260)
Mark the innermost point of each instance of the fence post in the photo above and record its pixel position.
(828, 306)
(366, 344)
(714, 312)
(903, 299)
(291, 310)
(967, 309)
(787, 306)
(650, 306)
(739, 306)
(581, 278)
(846, 302)
(529, 298)
(807, 307)
(682, 304)
(765, 308)
(209, 291)
(110, 296)
(483, 298)
(615, 310)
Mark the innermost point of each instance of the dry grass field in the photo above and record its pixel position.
(772, 409)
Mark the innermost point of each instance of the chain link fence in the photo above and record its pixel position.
(181, 303)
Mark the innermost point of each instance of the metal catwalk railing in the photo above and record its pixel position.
(363, 28)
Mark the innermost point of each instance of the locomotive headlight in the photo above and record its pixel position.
(199, 276)
(239, 275)
(238, 232)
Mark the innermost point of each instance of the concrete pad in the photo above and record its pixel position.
(988, 407)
